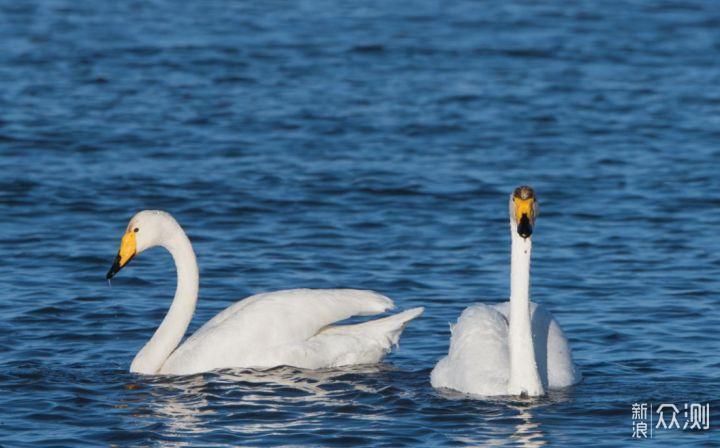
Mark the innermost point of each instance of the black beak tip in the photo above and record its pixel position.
(524, 228)
(113, 269)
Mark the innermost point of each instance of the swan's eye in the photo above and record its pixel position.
(136, 230)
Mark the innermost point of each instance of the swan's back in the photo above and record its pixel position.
(303, 312)
(281, 328)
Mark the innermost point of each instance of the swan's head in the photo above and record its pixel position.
(148, 228)
(523, 210)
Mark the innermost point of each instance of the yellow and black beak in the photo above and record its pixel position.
(128, 249)
(524, 216)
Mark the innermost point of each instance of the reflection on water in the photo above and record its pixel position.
(521, 413)
(183, 405)
(528, 433)
(186, 404)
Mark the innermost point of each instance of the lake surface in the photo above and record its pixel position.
(366, 145)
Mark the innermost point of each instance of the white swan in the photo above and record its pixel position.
(511, 348)
(290, 327)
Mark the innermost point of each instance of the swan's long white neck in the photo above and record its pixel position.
(170, 332)
(524, 377)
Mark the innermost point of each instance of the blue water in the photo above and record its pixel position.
(357, 144)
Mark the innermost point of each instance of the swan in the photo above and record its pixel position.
(291, 327)
(511, 348)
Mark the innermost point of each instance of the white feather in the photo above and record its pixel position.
(292, 327)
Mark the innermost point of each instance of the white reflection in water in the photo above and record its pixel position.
(528, 432)
(186, 405)
(183, 407)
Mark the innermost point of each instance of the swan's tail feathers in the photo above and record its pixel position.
(385, 331)
(364, 343)
(393, 326)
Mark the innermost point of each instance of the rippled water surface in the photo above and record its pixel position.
(360, 144)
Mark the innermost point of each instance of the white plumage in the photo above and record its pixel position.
(292, 327)
(511, 348)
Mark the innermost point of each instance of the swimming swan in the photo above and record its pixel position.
(292, 327)
(511, 348)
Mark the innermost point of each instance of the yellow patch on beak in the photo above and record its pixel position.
(524, 207)
(128, 248)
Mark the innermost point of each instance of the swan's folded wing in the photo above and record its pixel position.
(552, 350)
(477, 361)
(244, 333)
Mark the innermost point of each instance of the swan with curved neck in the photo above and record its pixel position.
(512, 348)
(291, 327)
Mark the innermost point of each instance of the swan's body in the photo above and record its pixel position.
(292, 327)
(478, 362)
(511, 348)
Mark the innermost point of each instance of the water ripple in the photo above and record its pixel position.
(325, 144)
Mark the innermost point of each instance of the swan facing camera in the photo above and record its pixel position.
(523, 210)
